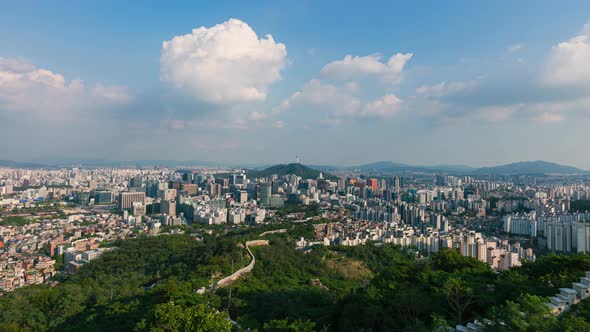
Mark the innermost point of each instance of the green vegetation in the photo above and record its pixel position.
(121, 290)
(198, 318)
(295, 169)
(149, 283)
(530, 313)
(280, 287)
(311, 210)
(15, 221)
(577, 319)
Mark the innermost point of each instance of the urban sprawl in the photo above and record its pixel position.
(54, 221)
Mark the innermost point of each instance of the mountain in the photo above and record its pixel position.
(382, 166)
(451, 168)
(527, 167)
(145, 163)
(17, 164)
(389, 166)
(530, 167)
(294, 168)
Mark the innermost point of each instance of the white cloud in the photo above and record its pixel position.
(515, 48)
(569, 61)
(553, 111)
(177, 124)
(54, 116)
(116, 94)
(334, 104)
(327, 97)
(497, 113)
(352, 86)
(383, 107)
(355, 67)
(279, 124)
(223, 64)
(550, 118)
(257, 116)
(26, 88)
(443, 88)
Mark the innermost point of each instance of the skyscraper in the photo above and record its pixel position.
(264, 194)
(126, 199)
(373, 184)
(136, 182)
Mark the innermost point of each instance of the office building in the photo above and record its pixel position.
(126, 199)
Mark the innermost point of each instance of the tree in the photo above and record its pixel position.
(574, 324)
(459, 297)
(529, 313)
(199, 318)
(283, 325)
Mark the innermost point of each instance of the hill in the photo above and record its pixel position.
(389, 166)
(17, 164)
(149, 283)
(294, 168)
(527, 167)
(384, 165)
(530, 167)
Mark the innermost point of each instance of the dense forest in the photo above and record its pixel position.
(150, 283)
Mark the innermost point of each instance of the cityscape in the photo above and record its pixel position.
(56, 220)
(295, 166)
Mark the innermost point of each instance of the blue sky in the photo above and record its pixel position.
(470, 82)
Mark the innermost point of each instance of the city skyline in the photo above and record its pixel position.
(258, 83)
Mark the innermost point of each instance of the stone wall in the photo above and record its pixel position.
(246, 269)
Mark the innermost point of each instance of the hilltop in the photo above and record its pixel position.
(530, 167)
(293, 168)
(526, 167)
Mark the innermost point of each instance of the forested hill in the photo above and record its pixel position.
(294, 168)
(148, 284)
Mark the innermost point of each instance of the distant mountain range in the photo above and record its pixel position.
(527, 167)
(303, 171)
(312, 171)
(108, 163)
(530, 167)
(16, 164)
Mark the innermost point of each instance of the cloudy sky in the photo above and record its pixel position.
(338, 82)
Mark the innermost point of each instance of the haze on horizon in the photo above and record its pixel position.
(345, 83)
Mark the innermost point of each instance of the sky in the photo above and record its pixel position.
(260, 82)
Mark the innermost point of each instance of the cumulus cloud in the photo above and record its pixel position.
(569, 61)
(39, 103)
(116, 94)
(355, 67)
(335, 104)
(224, 64)
(488, 102)
(327, 97)
(385, 106)
(442, 88)
(26, 88)
(557, 93)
